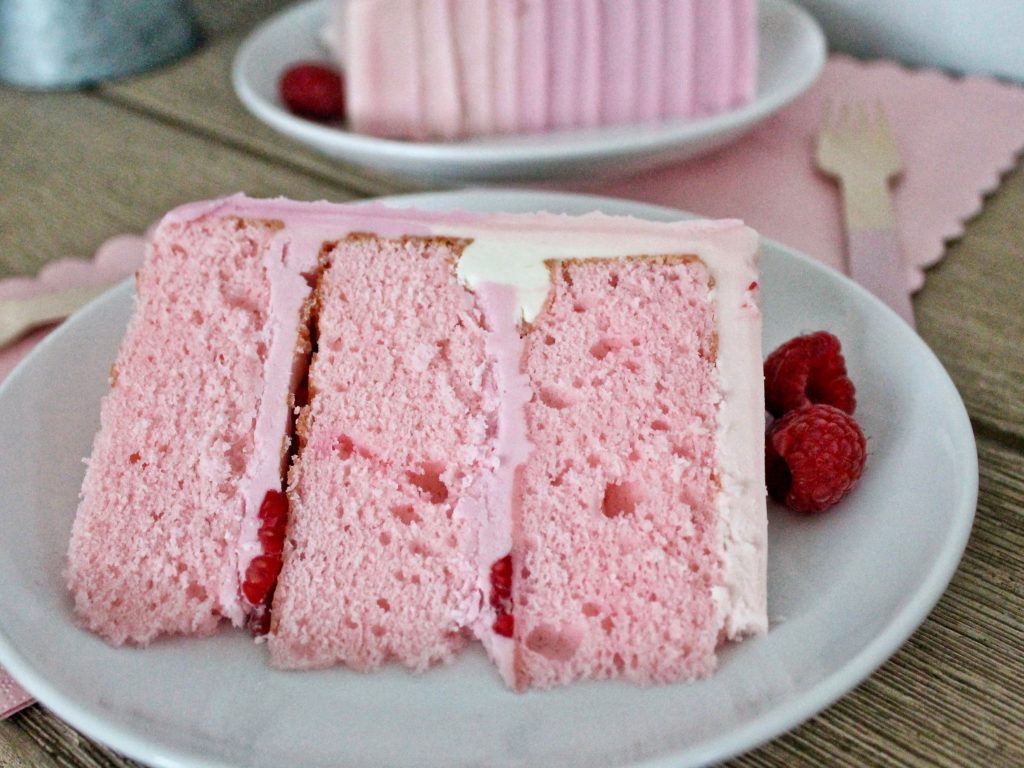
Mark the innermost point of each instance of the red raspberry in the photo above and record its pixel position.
(261, 575)
(501, 581)
(813, 457)
(313, 91)
(259, 621)
(504, 625)
(805, 370)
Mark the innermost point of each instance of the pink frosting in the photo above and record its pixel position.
(620, 41)
(680, 88)
(652, 59)
(388, 97)
(562, 72)
(474, 67)
(496, 494)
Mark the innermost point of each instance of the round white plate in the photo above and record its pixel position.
(846, 588)
(792, 55)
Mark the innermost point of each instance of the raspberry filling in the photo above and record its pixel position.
(501, 596)
(261, 575)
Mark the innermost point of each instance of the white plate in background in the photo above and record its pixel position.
(846, 588)
(792, 54)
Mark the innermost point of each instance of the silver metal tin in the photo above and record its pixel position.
(61, 44)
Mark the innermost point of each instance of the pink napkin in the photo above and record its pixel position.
(117, 258)
(12, 697)
(957, 136)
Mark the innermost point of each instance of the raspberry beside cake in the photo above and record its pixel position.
(447, 69)
(541, 431)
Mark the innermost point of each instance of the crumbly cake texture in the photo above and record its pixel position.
(616, 545)
(377, 565)
(543, 432)
(162, 502)
(477, 67)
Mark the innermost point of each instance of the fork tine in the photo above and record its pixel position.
(827, 116)
(863, 117)
(845, 113)
(882, 126)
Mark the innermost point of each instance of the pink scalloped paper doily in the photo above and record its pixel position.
(116, 259)
(12, 697)
(957, 135)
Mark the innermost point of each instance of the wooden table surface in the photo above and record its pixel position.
(76, 168)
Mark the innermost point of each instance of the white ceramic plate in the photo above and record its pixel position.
(792, 55)
(846, 588)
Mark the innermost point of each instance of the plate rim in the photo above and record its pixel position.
(769, 725)
(487, 152)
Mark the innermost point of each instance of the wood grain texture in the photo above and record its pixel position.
(197, 93)
(971, 312)
(43, 740)
(79, 170)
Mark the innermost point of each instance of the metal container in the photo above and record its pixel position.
(57, 44)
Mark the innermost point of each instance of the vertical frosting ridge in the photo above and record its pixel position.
(439, 76)
(472, 30)
(446, 69)
(505, 62)
(620, 51)
(745, 30)
(650, 59)
(534, 72)
(714, 70)
(589, 83)
(679, 85)
(562, 96)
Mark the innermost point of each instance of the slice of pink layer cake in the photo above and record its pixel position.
(544, 432)
(193, 431)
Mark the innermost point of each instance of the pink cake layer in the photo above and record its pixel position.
(189, 432)
(617, 545)
(448, 69)
(377, 565)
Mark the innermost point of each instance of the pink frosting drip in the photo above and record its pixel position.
(282, 370)
(491, 501)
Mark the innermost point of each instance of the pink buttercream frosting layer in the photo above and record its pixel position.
(494, 504)
(470, 67)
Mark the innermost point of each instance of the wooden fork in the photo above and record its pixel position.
(860, 151)
(19, 316)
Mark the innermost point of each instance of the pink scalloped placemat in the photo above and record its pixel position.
(957, 137)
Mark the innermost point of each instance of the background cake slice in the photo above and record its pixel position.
(447, 69)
